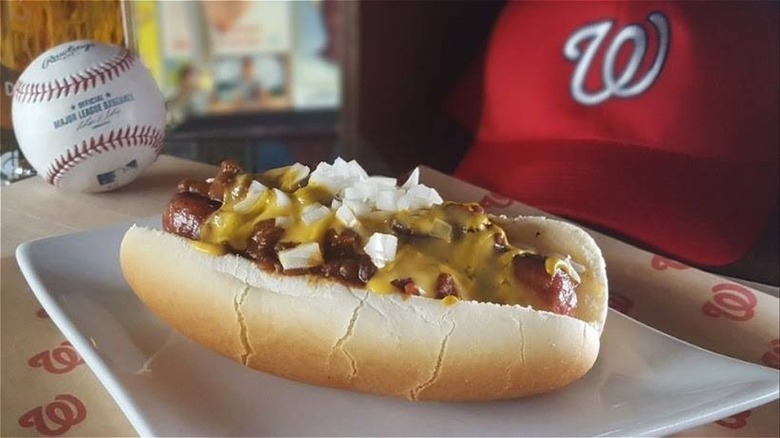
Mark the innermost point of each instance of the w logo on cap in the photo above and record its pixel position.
(622, 85)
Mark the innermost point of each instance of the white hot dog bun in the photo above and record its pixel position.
(322, 332)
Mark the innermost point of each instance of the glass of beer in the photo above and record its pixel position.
(27, 29)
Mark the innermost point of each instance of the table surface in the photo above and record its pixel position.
(32, 209)
(47, 389)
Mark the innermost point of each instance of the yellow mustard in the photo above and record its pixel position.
(456, 239)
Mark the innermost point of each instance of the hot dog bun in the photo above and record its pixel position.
(322, 332)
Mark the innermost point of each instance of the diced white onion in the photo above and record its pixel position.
(313, 213)
(351, 185)
(382, 181)
(356, 170)
(282, 200)
(305, 255)
(253, 194)
(419, 196)
(283, 221)
(298, 172)
(352, 194)
(575, 268)
(357, 207)
(441, 230)
(346, 216)
(426, 193)
(387, 200)
(413, 180)
(338, 176)
(381, 248)
(408, 202)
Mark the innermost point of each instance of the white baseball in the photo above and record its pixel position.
(88, 116)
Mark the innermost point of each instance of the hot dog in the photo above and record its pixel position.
(339, 279)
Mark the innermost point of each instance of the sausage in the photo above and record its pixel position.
(194, 186)
(556, 292)
(186, 213)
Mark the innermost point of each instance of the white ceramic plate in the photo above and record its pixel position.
(644, 382)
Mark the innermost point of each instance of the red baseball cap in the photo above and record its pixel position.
(658, 120)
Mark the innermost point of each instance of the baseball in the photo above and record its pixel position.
(88, 116)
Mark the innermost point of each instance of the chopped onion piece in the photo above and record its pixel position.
(338, 176)
(335, 204)
(441, 230)
(295, 174)
(325, 176)
(282, 200)
(381, 248)
(256, 187)
(339, 163)
(314, 212)
(409, 202)
(301, 171)
(356, 170)
(346, 216)
(425, 192)
(352, 194)
(413, 180)
(357, 207)
(360, 192)
(283, 221)
(387, 200)
(383, 181)
(305, 255)
(575, 269)
(253, 194)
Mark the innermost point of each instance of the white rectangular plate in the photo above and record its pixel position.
(644, 382)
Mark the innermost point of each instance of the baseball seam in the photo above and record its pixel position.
(135, 136)
(25, 92)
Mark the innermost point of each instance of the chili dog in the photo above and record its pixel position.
(339, 279)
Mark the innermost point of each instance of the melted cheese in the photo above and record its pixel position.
(456, 239)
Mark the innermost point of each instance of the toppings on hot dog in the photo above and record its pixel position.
(334, 277)
(338, 222)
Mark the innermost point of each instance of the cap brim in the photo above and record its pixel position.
(701, 210)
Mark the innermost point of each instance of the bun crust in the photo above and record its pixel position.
(322, 332)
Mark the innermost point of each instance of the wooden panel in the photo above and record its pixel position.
(411, 55)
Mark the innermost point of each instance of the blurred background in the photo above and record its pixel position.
(275, 82)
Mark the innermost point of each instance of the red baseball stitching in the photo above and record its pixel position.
(75, 83)
(145, 136)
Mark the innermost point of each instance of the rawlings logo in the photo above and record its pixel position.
(65, 411)
(59, 360)
(67, 53)
(622, 85)
(731, 301)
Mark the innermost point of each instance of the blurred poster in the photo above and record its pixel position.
(248, 27)
(251, 82)
(316, 78)
(184, 51)
(250, 46)
(243, 56)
